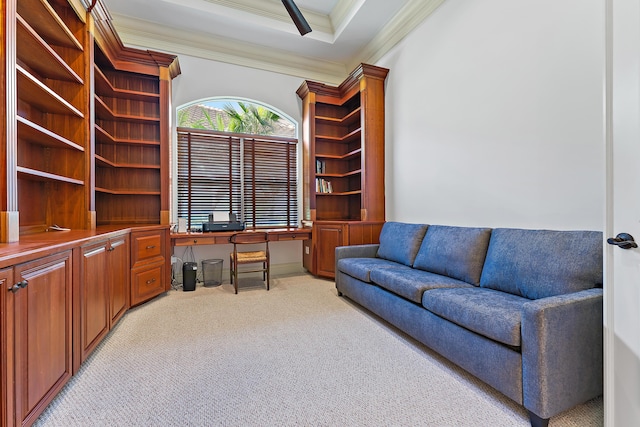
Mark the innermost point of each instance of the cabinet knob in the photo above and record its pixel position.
(151, 281)
(151, 246)
(16, 287)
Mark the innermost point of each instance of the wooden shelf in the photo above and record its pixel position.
(345, 156)
(38, 135)
(104, 137)
(101, 161)
(37, 175)
(339, 175)
(105, 113)
(105, 88)
(38, 55)
(128, 192)
(351, 118)
(44, 19)
(341, 193)
(34, 92)
(354, 134)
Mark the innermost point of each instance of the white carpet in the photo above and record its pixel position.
(297, 355)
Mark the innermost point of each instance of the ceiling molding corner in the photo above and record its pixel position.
(397, 29)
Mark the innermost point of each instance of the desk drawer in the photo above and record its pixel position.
(146, 246)
(284, 237)
(201, 240)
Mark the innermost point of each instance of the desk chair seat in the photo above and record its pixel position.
(238, 257)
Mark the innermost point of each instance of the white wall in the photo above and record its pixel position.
(202, 79)
(494, 116)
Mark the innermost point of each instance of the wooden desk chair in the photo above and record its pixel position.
(249, 257)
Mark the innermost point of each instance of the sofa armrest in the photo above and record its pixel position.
(357, 251)
(562, 351)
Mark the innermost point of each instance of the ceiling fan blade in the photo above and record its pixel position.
(296, 16)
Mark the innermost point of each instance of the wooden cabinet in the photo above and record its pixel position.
(328, 235)
(102, 291)
(59, 298)
(86, 131)
(39, 319)
(343, 161)
(149, 265)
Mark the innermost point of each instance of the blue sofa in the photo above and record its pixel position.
(519, 309)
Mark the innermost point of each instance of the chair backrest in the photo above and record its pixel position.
(249, 237)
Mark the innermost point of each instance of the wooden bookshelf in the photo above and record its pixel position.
(343, 162)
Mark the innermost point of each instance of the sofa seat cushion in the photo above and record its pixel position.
(456, 252)
(360, 268)
(410, 283)
(400, 241)
(542, 263)
(493, 314)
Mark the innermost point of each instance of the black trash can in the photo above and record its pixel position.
(189, 272)
(212, 272)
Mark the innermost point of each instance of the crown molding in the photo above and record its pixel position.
(342, 14)
(397, 29)
(145, 34)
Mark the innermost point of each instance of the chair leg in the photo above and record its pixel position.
(235, 276)
(268, 274)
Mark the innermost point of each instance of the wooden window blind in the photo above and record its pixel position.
(254, 177)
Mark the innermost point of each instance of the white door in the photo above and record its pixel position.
(622, 266)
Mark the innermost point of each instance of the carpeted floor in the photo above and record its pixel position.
(297, 355)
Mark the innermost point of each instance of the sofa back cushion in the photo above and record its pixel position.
(457, 252)
(400, 241)
(542, 263)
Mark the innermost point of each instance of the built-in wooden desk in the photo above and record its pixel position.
(222, 237)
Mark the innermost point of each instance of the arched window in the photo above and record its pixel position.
(240, 157)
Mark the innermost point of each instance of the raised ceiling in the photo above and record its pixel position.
(260, 34)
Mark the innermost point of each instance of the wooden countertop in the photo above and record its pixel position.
(36, 245)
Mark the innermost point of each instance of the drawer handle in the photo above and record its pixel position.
(151, 246)
(151, 281)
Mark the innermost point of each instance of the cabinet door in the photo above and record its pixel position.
(328, 237)
(43, 333)
(94, 297)
(118, 278)
(6, 346)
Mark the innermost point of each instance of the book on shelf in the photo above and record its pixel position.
(321, 166)
(323, 186)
